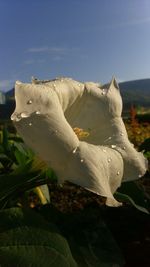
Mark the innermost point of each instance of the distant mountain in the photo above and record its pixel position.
(8, 106)
(10, 94)
(136, 93)
(2, 98)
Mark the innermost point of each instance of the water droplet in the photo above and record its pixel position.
(104, 150)
(108, 139)
(37, 112)
(81, 160)
(140, 175)
(124, 148)
(24, 115)
(109, 160)
(113, 146)
(103, 92)
(118, 173)
(74, 151)
(122, 134)
(17, 117)
(30, 124)
(29, 102)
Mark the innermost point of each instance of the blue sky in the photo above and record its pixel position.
(88, 40)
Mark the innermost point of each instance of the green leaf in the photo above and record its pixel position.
(125, 198)
(90, 241)
(18, 181)
(147, 154)
(145, 145)
(5, 160)
(131, 193)
(20, 157)
(26, 239)
(5, 141)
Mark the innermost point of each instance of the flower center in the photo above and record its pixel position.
(81, 133)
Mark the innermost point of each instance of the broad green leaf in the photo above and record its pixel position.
(90, 241)
(145, 145)
(130, 192)
(147, 154)
(128, 199)
(26, 239)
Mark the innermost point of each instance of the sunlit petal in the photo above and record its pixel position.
(77, 130)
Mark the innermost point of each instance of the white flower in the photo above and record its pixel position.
(77, 130)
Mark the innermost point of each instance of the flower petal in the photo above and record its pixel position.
(47, 133)
(97, 168)
(46, 114)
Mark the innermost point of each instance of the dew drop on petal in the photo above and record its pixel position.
(18, 117)
(124, 148)
(108, 139)
(29, 102)
(104, 150)
(30, 124)
(24, 115)
(113, 146)
(37, 112)
(140, 175)
(81, 160)
(122, 134)
(103, 92)
(109, 160)
(118, 173)
(74, 151)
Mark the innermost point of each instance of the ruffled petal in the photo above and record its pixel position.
(97, 168)
(45, 129)
(46, 114)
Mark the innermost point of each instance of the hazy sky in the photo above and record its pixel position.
(88, 40)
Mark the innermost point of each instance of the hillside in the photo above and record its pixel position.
(2, 98)
(136, 92)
